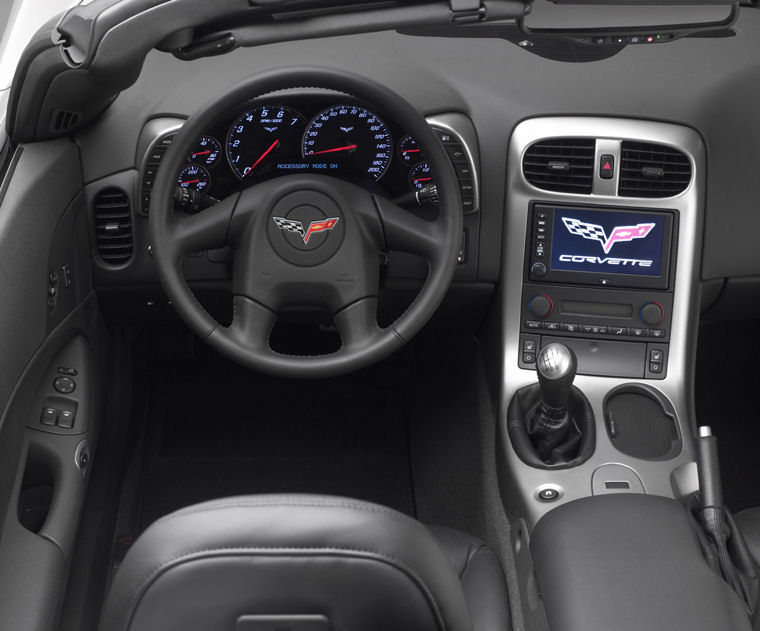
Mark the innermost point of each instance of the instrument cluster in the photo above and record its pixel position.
(305, 134)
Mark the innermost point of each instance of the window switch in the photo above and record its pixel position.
(49, 416)
(66, 419)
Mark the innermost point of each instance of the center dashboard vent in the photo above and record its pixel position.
(652, 170)
(113, 226)
(561, 164)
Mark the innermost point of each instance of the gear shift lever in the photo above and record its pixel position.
(549, 424)
(556, 365)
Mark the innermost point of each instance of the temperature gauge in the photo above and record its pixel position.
(194, 177)
(206, 151)
(419, 176)
(409, 151)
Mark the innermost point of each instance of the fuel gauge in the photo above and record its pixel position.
(419, 176)
(409, 151)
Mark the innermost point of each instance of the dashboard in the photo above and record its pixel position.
(327, 134)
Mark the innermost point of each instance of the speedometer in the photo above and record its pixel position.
(258, 135)
(350, 138)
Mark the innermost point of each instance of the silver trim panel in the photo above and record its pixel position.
(658, 477)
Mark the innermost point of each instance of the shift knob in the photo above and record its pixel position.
(556, 365)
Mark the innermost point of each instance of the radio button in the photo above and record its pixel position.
(532, 324)
(541, 305)
(603, 330)
(587, 328)
(655, 367)
(655, 355)
(529, 346)
(618, 330)
(571, 328)
(638, 332)
(529, 358)
(551, 326)
(656, 332)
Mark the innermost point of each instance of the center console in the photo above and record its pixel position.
(601, 272)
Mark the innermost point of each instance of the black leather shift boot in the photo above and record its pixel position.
(547, 437)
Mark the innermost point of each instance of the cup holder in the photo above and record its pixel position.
(642, 423)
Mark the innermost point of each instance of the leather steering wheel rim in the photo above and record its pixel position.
(384, 226)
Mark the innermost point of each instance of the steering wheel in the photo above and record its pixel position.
(275, 267)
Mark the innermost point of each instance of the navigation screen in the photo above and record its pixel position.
(609, 242)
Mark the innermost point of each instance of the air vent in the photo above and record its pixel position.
(650, 170)
(63, 120)
(561, 164)
(113, 226)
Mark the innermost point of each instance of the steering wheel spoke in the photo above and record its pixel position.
(406, 232)
(251, 324)
(357, 324)
(205, 230)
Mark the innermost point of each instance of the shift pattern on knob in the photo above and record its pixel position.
(554, 361)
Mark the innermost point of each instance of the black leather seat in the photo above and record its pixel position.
(314, 563)
(749, 523)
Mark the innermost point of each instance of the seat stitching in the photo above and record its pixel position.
(304, 503)
(285, 549)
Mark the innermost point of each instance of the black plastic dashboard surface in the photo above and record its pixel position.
(497, 85)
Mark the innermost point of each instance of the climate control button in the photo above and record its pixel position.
(652, 313)
(541, 305)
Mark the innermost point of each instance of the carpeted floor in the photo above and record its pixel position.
(258, 435)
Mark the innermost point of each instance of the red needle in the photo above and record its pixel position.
(423, 179)
(346, 148)
(190, 181)
(262, 156)
(411, 150)
(202, 153)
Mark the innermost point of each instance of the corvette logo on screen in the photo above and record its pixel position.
(595, 232)
(296, 226)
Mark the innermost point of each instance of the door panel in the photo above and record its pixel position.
(49, 328)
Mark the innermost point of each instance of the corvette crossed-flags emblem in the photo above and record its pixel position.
(291, 225)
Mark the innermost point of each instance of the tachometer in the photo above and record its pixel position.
(351, 137)
(259, 134)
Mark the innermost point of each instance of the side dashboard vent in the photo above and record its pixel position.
(113, 226)
(651, 170)
(561, 164)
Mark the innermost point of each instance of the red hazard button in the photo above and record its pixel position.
(607, 167)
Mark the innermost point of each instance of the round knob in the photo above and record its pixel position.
(652, 313)
(541, 305)
(538, 269)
